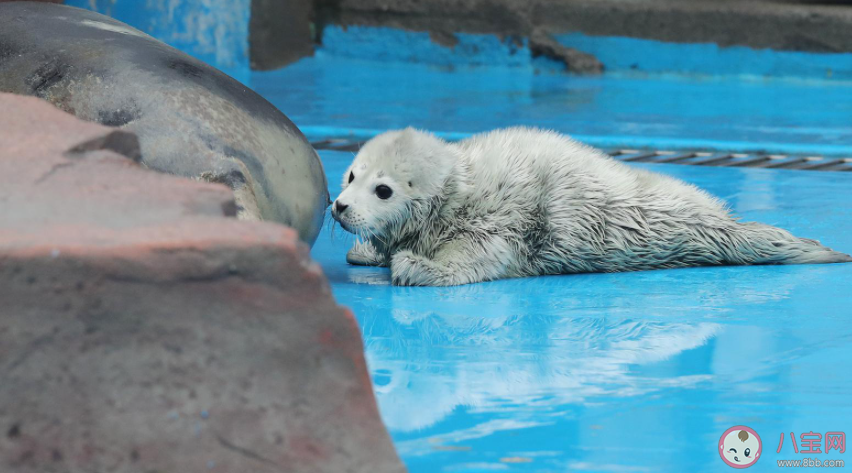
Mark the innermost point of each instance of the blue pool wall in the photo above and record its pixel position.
(393, 45)
(214, 32)
(618, 54)
(649, 56)
(218, 33)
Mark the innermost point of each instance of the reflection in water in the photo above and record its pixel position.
(425, 365)
(527, 353)
(534, 344)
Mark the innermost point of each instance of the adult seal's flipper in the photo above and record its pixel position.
(192, 120)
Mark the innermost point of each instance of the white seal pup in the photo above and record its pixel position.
(523, 202)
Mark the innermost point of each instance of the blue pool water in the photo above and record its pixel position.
(339, 97)
(627, 372)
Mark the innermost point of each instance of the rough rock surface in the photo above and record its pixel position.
(143, 331)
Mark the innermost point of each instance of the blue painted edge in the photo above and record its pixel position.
(642, 55)
(317, 133)
(384, 44)
(618, 54)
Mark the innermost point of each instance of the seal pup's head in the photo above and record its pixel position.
(392, 176)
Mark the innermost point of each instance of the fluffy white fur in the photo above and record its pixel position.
(523, 202)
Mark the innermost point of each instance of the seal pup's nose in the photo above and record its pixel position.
(340, 207)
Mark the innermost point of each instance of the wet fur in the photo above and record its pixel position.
(524, 202)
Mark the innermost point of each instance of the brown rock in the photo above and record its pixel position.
(32, 126)
(542, 44)
(141, 330)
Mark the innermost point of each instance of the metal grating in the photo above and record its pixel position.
(338, 145)
(696, 158)
(749, 160)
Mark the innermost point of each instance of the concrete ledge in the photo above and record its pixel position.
(759, 38)
(756, 24)
(279, 32)
(772, 25)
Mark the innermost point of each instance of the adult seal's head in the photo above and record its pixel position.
(192, 120)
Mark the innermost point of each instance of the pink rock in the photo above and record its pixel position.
(143, 330)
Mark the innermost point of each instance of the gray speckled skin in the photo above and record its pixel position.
(192, 120)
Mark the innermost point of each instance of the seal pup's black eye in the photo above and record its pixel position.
(383, 192)
(410, 184)
(351, 177)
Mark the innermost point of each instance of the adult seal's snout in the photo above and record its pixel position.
(192, 120)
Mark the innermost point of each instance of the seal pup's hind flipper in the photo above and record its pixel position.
(771, 245)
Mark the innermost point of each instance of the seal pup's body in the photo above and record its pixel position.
(525, 202)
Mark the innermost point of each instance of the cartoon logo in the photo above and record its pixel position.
(740, 447)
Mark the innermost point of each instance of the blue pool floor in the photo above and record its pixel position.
(627, 372)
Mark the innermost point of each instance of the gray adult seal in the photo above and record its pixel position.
(192, 120)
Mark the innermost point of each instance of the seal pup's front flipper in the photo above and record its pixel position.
(364, 254)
